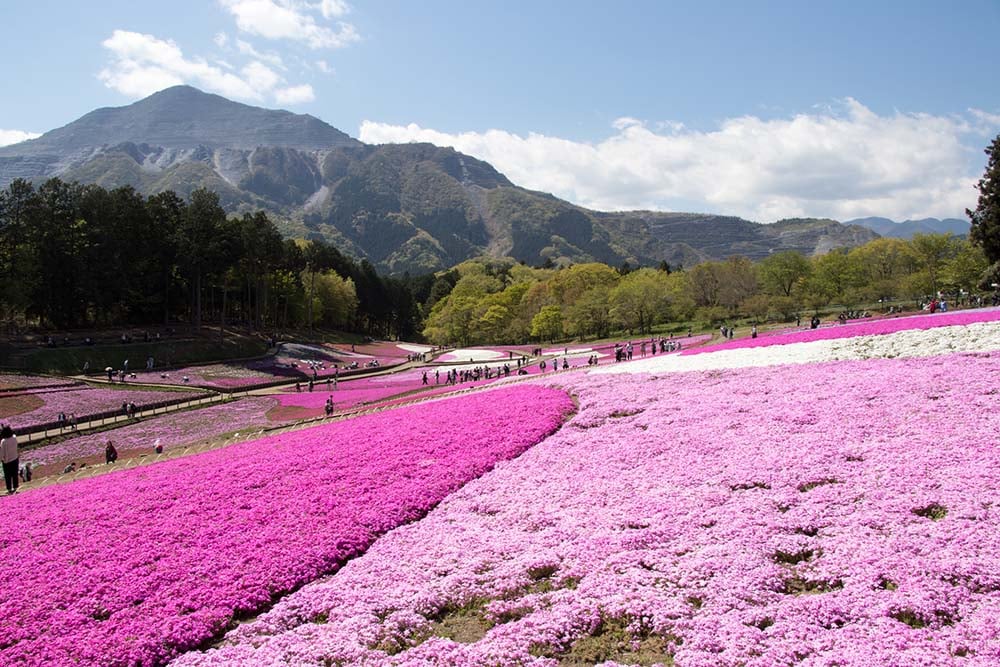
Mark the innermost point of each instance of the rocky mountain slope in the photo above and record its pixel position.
(412, 207)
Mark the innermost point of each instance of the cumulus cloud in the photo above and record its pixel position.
(841, 162)
(293, 20)
(333, 8)
(295, 94)
(143, 64)
(269, 57)
(8, 137)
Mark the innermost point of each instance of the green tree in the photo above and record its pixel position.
(704, 283)
(494, 322)
(833, 279)
(547, 324)
(738, 281)
(165, 211)
(782, 272)
(932, 251)
(884, 263)
(640, 300)
(259, 252)
(985, 219)
(966, 267)
(58, 237)
(18, 204)
(336, 300)
(589, 314)
(567, 285)
(199, 244)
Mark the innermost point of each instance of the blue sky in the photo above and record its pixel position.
(765, 110)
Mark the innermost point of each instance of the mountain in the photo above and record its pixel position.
(408, 207)
(907, 228)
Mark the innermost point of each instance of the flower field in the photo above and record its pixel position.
(134, 567)
(215, 376)
(972, 337)
(12, 382)
(171, 430)
(855, 328)
(40, 406)
(828, 513)
(378, 390)
(311, 404)
(293, 361)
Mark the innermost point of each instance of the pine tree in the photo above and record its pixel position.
(986, 218)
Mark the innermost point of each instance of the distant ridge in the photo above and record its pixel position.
(404, 207)
(907, 228)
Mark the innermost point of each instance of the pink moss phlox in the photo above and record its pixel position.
(86, 401)
(135, 567)
(841, 513)
(854, 328)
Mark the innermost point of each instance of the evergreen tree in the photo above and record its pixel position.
(986, 218)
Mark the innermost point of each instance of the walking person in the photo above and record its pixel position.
(10, 458)
(110, 453)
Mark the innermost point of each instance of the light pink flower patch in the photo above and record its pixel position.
(858, 328)
(11, 381)
(170, 430)
(84, 401)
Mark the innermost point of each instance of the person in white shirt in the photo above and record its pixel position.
(9, 457)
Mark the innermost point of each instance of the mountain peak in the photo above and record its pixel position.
(184, 117)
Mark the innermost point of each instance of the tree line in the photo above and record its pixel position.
(79, 255)
(76, 255)
(487, 301)
(498, 301)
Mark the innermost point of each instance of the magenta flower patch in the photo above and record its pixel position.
(135, 567)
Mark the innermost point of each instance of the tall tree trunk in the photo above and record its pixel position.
(222, 325)
(312, 286)
(166, 299)
(196, 320)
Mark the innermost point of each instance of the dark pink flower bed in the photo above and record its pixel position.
(135, 567)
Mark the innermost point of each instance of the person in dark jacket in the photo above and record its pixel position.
(10, 458)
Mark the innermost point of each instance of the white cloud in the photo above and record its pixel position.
(268, 57)
(843, 163)
(8, 137)
(143, 64)
(295, 94)
(985, 122)
(260, 77)
(324, 67)
(333, 8)
(221, 39)
(288, 19)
